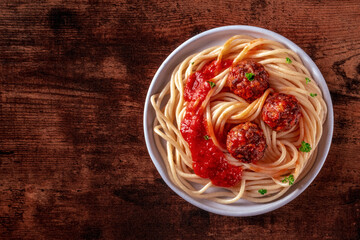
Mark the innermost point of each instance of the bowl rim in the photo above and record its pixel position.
(326, 136)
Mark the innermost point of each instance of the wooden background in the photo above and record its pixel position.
(74, 75)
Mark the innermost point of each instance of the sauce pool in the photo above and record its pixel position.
(208, 160)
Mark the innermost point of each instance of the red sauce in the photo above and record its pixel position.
(208, 160)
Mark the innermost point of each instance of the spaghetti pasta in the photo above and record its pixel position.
(283, 161)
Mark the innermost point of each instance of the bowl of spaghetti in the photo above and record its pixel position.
(238, 120)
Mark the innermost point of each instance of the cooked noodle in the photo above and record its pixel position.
(282, 156)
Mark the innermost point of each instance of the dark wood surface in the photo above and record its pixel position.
(73, 160)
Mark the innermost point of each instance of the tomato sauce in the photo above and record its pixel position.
(208, 160)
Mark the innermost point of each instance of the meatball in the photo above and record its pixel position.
(246, 142)
(248, 79)
(281, 111)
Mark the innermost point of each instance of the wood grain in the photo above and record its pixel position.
(74, 75)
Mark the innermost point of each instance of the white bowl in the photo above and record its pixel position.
(218, 36)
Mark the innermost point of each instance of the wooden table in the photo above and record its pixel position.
(73, 160)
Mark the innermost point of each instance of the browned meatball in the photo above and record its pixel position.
(248, 79)
(246, 142)
(281, 111)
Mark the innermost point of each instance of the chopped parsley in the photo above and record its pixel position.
(206, 137)
(289, 179)
(250, 76)
(288, 60)
(212, 84)
(313, 94)
(192, 63)
(262, 191)
(307, 80)
(305, 147)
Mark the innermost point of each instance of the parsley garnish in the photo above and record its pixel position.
(212, 84)
(313, 94)
(206, 137)
(305, 147)
(307, 80)
(192, 63)
(262, 191)
(288, 60)
(250, 76)
(289, 179)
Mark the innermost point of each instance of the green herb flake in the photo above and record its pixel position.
(288, 60)
(250, 76)
(313, 94)
(212, 84)
(290, 179)
(305, 147)
(192, 63)
(206, 137)
(262, 191)
(307, 80)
